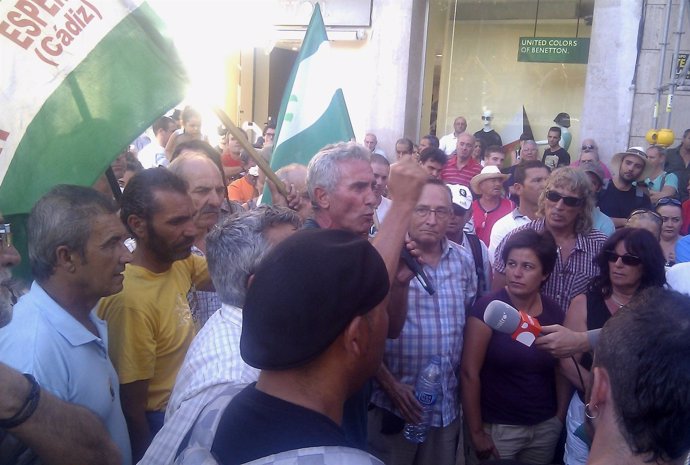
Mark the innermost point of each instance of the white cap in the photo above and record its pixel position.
(461, 195)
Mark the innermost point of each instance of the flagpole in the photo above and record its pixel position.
(241, 137)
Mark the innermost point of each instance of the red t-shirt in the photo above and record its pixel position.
(485, 220)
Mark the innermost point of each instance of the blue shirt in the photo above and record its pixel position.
(43, 339)
(683, 249)
(434, 326)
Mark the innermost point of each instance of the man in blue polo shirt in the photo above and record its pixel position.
(77, 255)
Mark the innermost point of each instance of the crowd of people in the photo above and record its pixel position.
(176, 318)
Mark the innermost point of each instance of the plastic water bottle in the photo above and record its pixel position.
(427, 390)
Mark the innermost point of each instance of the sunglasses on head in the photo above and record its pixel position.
(630, 260)
(649, 213)
(568, 201)
(668, 201)
(588, 147)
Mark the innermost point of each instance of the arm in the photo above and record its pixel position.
(407, 179)
(667, 191)
(397, 306)
(170, 146)
(619, 222)
(576, 319)
(133, 398)
(58, 432)
(477, 337)
(401, 394)
(564, 392)
(562, 342)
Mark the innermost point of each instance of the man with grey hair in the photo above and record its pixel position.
(341, 187)
(206, 188)
(234, 250)
(370, 142)
(77, 255)
(59, 433)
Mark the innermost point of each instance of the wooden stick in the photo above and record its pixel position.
(241, 137)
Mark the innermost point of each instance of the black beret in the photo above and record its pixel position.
(304, 294)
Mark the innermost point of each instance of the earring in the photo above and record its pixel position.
(589, 414)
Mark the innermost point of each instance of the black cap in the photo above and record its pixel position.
(305, 293)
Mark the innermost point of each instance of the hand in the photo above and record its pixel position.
(294, 198)
(561, 342)
(403, 397)
(484, 446)
(277, 198)
(404, 274)
(406, 181)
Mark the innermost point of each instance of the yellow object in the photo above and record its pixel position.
(150, 326)
(663, 137)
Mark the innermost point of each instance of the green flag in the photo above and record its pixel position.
(80, 80)
(313, 111)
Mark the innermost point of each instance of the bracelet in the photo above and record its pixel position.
(29, 407)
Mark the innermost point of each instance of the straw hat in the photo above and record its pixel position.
(488, 172)
(639, 153)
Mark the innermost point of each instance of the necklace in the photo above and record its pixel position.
(618, 302)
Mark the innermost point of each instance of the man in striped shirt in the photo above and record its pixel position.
(461, 167)
(565, 210)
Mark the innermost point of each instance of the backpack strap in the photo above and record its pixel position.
(476, 247)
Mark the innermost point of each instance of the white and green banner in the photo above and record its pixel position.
(80, 80)
(313, 111)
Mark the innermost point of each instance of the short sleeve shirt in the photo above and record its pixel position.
(150, 325)
(567, 279)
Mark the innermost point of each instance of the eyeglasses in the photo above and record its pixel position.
(442, 213)
(486, 118)
(568, 201)
(588, 147)
(630, 260)
(666, 201)
(5, 235)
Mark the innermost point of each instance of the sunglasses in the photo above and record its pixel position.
(641, 211)
(486, 118)
(630, 260)
(666, 201)
(568, 201)
(588, 147)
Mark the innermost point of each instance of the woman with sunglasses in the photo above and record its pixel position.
(513, 399)
(671, 216)
(630, 260)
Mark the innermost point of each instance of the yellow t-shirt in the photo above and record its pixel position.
(150, 326)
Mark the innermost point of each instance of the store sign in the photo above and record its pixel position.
(553, 50)
(680, 64)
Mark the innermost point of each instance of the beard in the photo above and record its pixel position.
(165, 251)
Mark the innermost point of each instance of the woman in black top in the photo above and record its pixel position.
(630, 260)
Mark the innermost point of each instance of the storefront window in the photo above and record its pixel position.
(472, 65)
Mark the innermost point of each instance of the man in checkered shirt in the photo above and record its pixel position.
(434, 326)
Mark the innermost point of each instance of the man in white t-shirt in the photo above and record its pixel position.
(448, 142)
(153, 154)
(530, 179)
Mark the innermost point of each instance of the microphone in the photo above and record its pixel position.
(416, 268)
(506, 319)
